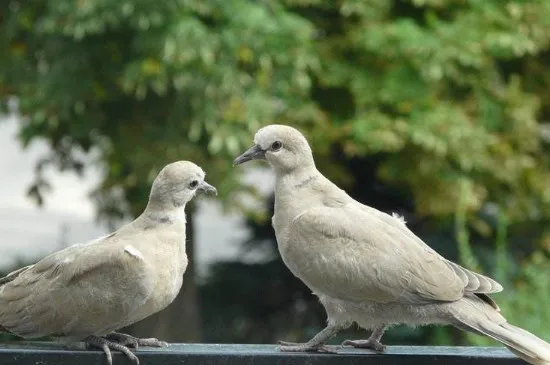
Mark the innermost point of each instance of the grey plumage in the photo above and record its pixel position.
(87, 291)
(366, 266)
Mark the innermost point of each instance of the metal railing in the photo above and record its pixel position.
(47, 353)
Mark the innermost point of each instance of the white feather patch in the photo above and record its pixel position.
(178, 215)
(133, 252)
(399, 217)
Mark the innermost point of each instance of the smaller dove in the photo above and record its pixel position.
(88, 291)
(366, 266)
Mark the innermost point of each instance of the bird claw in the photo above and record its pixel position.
(366, 344)
(134, 342)
(106, 345)
(108, 354)
(304, 347)
(151, 342)
(123, 339)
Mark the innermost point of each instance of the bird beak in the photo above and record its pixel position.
(253, 153)
(205, 187)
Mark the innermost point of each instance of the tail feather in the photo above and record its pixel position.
(480, 318)
(539, 346)
(487, 299)
(525, 345)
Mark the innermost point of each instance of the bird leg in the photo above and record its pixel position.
(134, 342)
(316, 344)
(107, 346)
(373, 341)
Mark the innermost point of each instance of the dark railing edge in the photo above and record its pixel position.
(48, 353)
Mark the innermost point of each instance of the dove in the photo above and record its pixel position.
(87, 291)
(367, 267)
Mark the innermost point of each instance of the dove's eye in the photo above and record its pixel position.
(194, 184)
(275, 146)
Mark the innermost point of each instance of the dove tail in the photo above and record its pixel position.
(490, 323)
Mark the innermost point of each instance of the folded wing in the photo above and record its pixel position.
(82, 290)
(353, 252)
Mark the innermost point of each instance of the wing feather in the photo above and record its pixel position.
(77, 291)
(359, 254)
(474, 282)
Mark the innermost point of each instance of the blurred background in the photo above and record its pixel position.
(435, 109)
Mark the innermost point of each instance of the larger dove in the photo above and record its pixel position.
(87, 291)
(366, 266)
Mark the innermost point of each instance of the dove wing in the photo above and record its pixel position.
(81, 290)
(349, 253)
(474, 282)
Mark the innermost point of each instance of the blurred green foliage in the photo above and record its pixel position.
(436, 108)
(151, 82)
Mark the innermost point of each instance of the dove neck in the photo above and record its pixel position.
(296, 180)
(165, 212)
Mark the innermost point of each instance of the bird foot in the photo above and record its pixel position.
(366, 344)
(304, 347)
(134, 342)
(107, 346)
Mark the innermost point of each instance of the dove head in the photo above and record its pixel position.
(177, 183)
(284, 148)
